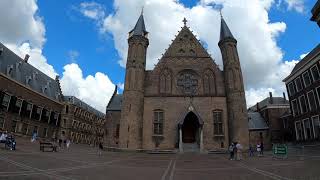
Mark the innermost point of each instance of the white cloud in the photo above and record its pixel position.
(120, 86)
(19, 23)
(23, 31)
(297, 5)
(92, 10)
(94, 90)
(261, 58)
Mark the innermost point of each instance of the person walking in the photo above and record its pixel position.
(100, 148)
(231, 151)
(34, 136)
(3, 137)
(259, 148)
(68, 143)
(239, 151)
(251, 151)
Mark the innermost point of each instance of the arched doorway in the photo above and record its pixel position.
(190, 129)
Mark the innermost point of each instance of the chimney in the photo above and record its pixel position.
(271, 99)
(284, 97)
(258, 108)
(26, 58)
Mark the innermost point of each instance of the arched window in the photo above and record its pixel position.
(165, 82)
(209, 84)
(158, 118)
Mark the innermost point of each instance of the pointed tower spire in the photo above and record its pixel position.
(225, 31)
(140, 28)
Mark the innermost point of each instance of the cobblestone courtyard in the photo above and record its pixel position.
(83, 162)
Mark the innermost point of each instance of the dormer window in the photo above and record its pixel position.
(9, 70)
(28, 80)
(34, 75)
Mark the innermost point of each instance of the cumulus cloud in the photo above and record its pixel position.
(23, 31)
(92, 10)
(297, 5)
(94, 90)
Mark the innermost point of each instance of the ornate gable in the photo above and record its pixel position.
(186, 45)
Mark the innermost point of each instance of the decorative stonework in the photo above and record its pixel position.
(187, 81)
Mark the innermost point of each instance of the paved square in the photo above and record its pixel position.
(83, 162)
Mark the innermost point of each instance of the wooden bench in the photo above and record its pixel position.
(50, 145)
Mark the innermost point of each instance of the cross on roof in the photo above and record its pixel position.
(185, 21)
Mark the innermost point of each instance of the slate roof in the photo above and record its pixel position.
(11, 65)
(256, 121)
(83, 105)
(140, 28)
(305, 61)
(115, 103)
(275, 101)
(224, 30)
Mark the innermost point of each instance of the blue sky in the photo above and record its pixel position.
(67, 30)
(88, 51)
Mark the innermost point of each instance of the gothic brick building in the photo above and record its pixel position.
(30, 101)
(186, 102)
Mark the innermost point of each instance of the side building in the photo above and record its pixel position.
(316, 13)
(265, 123)
(81, 123)
(113, 116)
(303, 86)
(30, 101)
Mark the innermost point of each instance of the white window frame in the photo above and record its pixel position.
(312, 120)
(297, 134)
(318, 95)
(312, 73)
(309, 99)
(307, 72)
(291, 93)
(295, 113)
(300, 103)
(304, 128)
(297, 84)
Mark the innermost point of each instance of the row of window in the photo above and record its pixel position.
(78, 112)
(308, 129)
(308, 103)
(83, 138)
(309, 76)
(28, 129)
(26, 109)
(158, 120)
(87, 127)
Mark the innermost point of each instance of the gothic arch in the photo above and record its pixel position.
(209, 82)
(165, 82)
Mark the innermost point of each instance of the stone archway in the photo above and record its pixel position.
(190, 133)
(190, 129)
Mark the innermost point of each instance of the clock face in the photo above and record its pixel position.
(187, 82)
